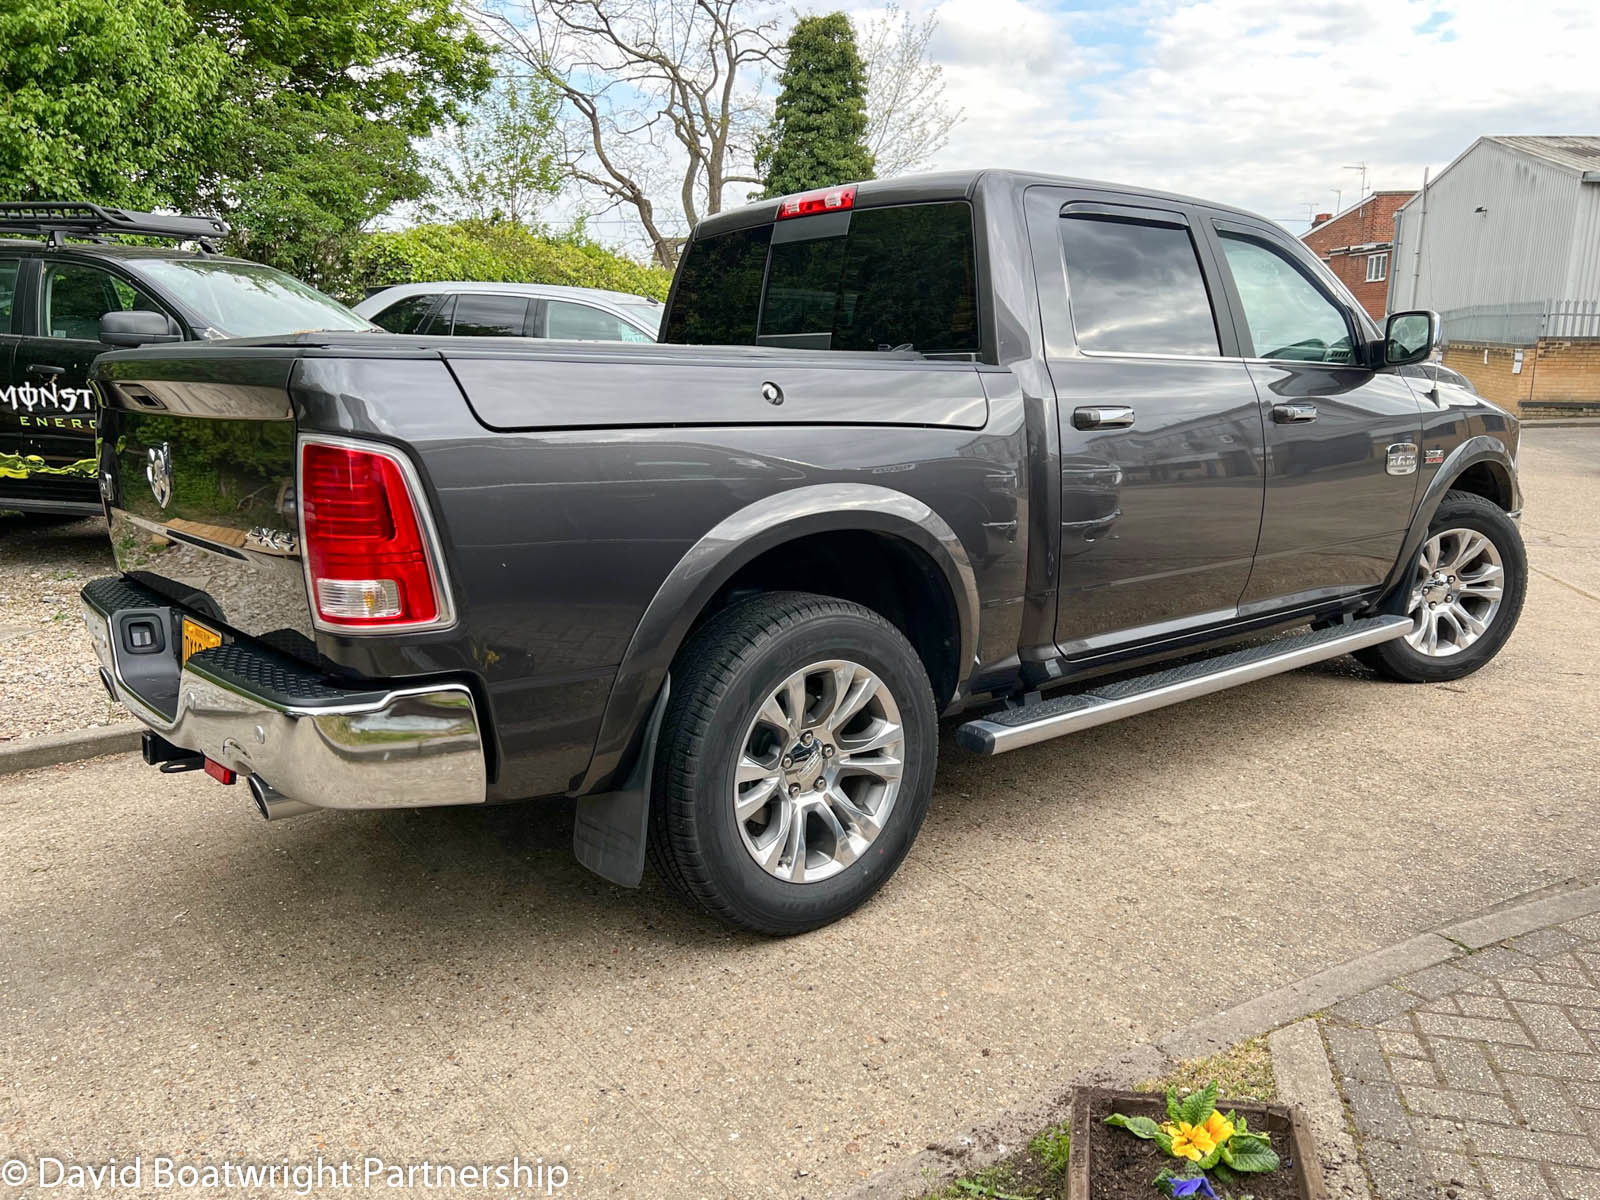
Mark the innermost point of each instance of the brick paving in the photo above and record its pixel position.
(1480, 1077)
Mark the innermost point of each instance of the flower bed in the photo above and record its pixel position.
(1114, 1159)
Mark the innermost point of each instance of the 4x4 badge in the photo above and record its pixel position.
(159, 472)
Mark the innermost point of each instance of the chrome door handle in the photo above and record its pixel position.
(1105, 416)
(1293, 414)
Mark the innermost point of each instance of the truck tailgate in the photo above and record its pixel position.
(199, 460)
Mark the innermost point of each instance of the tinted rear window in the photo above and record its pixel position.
(881, 279)
(490, 316)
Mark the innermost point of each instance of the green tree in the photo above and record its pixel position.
(504, 161)
(322, 103)
(295, 120)
(499, 251)
(105, 100)
(819, 124)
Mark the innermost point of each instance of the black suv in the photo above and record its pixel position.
(73, 293)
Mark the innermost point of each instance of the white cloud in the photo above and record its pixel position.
(1259, 103)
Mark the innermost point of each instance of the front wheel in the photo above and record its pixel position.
(1464, 594)
(795, 763)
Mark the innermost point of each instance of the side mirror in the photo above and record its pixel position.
(1409, 337)
(137, 327)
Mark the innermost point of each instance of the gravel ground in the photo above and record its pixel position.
(50, 678)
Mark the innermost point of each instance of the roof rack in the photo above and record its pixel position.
(60, 218)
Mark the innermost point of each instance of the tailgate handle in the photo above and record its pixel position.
(1102, 416)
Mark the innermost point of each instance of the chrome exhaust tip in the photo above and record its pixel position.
(273, 805)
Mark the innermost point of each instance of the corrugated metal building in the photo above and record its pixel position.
(1505, 244)
(1511, 226)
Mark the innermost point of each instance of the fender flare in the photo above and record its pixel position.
(737, 540)
(1480, 449)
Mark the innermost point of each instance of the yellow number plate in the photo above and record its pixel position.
(197, 638)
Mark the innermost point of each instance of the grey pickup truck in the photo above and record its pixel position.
(1024, 452)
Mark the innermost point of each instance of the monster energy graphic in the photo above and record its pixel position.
(20, 396)
(21, 466)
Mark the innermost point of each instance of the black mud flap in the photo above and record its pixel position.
(609, 834)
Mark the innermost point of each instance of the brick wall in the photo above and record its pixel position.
(1352, 272)
(1369, 224)
(1560, 376)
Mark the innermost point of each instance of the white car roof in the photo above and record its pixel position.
(599, 297)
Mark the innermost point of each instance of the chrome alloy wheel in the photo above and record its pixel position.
(1455, 593)
(819, 771)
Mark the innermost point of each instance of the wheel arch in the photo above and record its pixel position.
(1482, 465)
(739, 544)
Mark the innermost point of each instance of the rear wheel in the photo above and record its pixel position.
(1464, 594)
(795, 763)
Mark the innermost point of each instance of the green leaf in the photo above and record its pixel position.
(1142, 1127)
(1197, 1106)
(1164, 1141)
(1172, 1104)
(1210, 1160)
(1251, 1154)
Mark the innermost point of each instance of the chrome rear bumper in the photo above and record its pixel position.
(338, 748)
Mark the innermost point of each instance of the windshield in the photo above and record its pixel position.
(247, 299)
(646, 316)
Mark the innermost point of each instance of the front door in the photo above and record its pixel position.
(52, 369)
(1160, 432)
(1342, 437)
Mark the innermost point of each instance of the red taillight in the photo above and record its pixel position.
(367, 557)
(834, 199)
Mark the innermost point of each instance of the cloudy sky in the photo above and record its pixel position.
(1255, 103)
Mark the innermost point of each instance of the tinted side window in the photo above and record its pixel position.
(582, 323)
(75, 297)
(490, 316)
(9, 267)
(1288, 315)
(1135, 287)
(718, 289)
(439, 322)
(403, 316)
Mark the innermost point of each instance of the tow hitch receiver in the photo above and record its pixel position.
(159, 752)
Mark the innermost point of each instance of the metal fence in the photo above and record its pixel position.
(1522, 324)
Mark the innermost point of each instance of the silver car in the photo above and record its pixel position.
(514, 310)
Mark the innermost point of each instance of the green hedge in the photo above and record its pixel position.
(493, 252)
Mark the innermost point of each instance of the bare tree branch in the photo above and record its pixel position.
(662, 96)
(908, 120)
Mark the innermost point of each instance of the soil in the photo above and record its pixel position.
(1123, 1167)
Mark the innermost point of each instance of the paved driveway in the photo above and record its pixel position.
(178, 978)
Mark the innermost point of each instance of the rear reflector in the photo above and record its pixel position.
(823, 200)
(367, 558)
(219, 772)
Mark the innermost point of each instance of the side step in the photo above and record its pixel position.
(1044, 719)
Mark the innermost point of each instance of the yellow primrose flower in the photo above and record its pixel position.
(1219, 1127)
(1193, 1142)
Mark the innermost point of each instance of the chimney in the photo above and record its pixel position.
(1320, 218)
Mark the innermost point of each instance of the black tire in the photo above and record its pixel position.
(720, 679)
(1398, 659)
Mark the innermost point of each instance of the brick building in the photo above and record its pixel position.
(1357, 244)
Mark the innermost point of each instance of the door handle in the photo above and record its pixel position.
(1104, 416)
(44, 370)
(1294, 414)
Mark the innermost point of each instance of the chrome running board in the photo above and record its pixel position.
(1041, 720)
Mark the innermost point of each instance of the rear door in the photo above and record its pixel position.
(1341, 437)
(1160, 432)
(52, 360)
